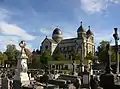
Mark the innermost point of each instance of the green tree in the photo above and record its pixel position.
(78, 57)
(113, 54)
(91, 57)
(5, 58)
(102, 54)
(59, 57)
(102, 51)
(12, 54)
(35, 61)
(1, 57)
(45, 57)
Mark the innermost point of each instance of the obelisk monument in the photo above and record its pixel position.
(21, 77)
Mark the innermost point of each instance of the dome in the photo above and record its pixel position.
(89, 32)
(57, 35)
(81, 29)
(57, 31)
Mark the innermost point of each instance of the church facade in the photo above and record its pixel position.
(82, 44)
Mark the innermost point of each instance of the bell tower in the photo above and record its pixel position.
(81, 33)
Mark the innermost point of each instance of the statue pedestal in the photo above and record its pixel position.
(23, 78)
(21, 73)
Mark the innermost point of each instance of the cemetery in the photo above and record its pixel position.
(53, 76)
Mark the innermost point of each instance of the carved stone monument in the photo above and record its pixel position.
(21, 77)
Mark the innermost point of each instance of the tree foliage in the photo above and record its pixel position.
(12, 54)
(78, 57)
(102, 54)
(91, 57)
(59, 57)
(3, 58)
(45, 57)
(35, 61)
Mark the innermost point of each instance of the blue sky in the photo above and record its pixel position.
(32, 20)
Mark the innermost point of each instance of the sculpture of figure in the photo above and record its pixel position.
(22, 44)
(21, 77)
(25, 51)
(24, 67)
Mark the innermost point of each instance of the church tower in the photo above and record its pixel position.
(90, 41)
(57, 35)
(81, 33)
(89, 33)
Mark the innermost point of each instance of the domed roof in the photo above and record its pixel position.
(89, 32)
(57, 31)
(81, 29)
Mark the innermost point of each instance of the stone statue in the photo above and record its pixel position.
(24, 68)
(25, 54)
(21, 77)
(22, 44)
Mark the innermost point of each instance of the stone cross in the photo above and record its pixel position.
(115, 35)
(108, 52)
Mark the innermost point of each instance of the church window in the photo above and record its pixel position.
(91, 39)
(46, 47)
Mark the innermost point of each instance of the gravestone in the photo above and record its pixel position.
(85, 79)
(60, 83)
(70, 78)
(21, 77)
(6, 83)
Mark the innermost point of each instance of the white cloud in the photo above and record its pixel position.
(114, 1)
(96, 5)
(3, 14)
(11, 33)
(12, 29)
(5, 40)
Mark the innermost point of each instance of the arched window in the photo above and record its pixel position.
(92, 40)
(46, 47)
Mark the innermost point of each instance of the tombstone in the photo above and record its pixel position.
(71, 86)
(51, 86)
(85, 79)
(6, 83)
(60, 83)
(21, 77)
(51, 76)
(93, 82)
(72, 78)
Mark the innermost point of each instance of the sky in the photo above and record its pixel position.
(33, 20)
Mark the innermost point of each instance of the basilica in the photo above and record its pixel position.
(82, 44)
